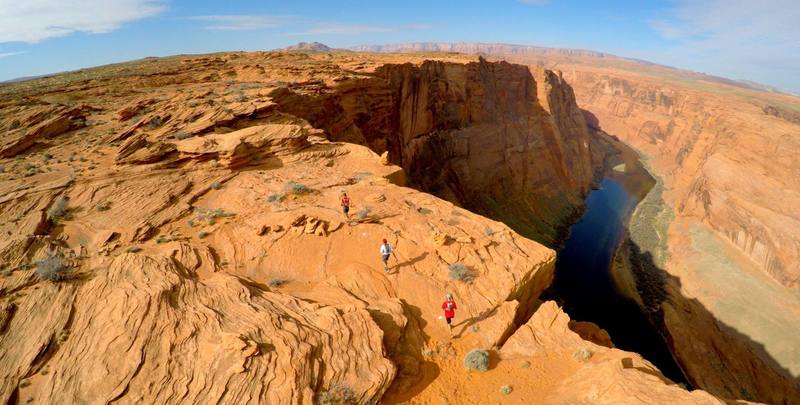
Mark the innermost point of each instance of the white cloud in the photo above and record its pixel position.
(35, 20)
(7, 54)
(241, 22)
(757, 40)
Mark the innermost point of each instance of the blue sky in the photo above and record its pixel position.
(740, 39)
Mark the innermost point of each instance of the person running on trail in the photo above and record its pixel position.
(449, 307)
(386, 251)
(345, 204)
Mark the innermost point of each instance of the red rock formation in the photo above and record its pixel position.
(487, 136)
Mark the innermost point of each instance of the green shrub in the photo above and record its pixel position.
(276, 282)
(477, 360)
(202, 234)
(103, 206)
(363, 213)
(58, 210)
(216, 185)
(459, 271)
(182, 135)
(298, 188)
(133, 249)
(506, 389)
(337, 394)
(52, 268)
(166, 238)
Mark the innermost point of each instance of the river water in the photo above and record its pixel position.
(583, 279)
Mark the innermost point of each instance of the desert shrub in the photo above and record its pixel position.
(525, 364)
(452, 222)
(424, 211)
(276, 282)
(166, 238)
(182, 135)
(212, 215)
(52, 268)
(337, 394)
(506, 389)
(103, 206)
(133, 249)
(155, 122)
(477, 360)
(488, 231)
(583, 354)
(363, 213)
(459, 271)
(298, 188)
(2, 169)
(277, 197)
(202, 234)
(59, 209)
(216, 185)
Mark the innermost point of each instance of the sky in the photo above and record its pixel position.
(757, 40)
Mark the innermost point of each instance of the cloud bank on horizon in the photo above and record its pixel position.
(740, 39)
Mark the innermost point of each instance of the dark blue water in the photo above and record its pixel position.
(583, 277)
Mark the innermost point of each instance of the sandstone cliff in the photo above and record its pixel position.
(716, 242)
(172, 234)
(489, 137)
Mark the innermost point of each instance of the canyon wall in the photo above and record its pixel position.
(718, 236)
(717, 243)
(488, 136)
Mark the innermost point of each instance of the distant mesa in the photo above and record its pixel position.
(308, 46)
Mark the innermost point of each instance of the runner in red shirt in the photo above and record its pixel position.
(345, 200)
(449, 307)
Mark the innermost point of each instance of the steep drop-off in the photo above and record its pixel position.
(172, 234)
(714, 253)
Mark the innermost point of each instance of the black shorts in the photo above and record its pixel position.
(385, 258)
(345, 209)
(449, 320)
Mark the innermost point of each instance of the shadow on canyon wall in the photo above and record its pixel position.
(714, 356)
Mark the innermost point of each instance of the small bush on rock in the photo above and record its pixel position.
(58, 210)
(337, 394)
(459, 271)
(52, 268)
(506, 389)
(583, 354)
(363, 213)
(477, 360)
(298, 188)
(216, 185)
(276, 282)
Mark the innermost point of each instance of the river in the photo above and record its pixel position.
(583, 280)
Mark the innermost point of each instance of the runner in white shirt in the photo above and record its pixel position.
(386, 251)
